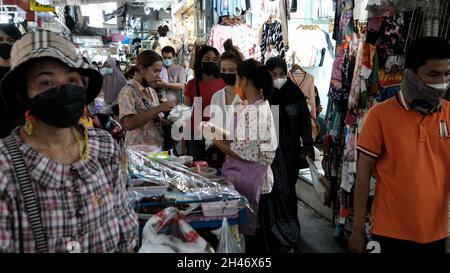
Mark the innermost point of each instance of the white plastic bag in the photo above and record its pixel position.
(180, 112)
(228, 243)
(320, 183)
(168, 232)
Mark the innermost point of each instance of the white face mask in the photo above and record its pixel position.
(278, 83)
(439, 86)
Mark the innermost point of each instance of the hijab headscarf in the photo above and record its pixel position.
(113, 83)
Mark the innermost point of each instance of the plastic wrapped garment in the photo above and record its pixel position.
(155, 168)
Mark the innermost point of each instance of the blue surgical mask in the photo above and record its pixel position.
(107, 71)
(167, 62)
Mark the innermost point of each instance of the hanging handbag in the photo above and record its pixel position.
(30, 199)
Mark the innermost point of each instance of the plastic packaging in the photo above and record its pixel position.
(320, 183)
(184, 187)
(228, 243)
(168, 232)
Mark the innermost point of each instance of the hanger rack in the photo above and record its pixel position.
(309, 27)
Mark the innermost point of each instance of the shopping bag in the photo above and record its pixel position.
(168, 232)
(228, 243)
(320, 183)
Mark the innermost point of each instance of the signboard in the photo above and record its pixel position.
(35, 6)
(117, 37)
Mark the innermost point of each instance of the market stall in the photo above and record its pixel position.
(157, 181)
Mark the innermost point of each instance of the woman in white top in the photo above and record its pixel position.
(252, 151)
(224, 101)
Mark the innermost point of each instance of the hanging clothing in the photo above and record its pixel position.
(242, 36)
(309, 45)
(305, 82)
(271, 35)
(229, 7)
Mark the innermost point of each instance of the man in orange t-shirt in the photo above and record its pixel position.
(406, 139)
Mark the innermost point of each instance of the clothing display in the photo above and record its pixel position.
(230, 7)
(305, 82)
(242, 36)
(310, 45)
(272, 39)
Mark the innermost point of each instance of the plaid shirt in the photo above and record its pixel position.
(83, 202)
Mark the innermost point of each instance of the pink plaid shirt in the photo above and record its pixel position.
(83, 202)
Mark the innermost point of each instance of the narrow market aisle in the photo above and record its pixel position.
(317, 232)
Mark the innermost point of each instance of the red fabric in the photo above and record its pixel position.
(207, 90)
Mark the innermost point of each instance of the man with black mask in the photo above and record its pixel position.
(9, 34)
(406, 141)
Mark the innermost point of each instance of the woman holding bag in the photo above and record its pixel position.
(252, 151)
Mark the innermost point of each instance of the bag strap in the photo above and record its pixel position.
(138, 94)
(22, 177)
(197, 87)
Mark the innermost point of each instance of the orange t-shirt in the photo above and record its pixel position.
(412, 168)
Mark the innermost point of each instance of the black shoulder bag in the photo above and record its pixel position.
(30, 199)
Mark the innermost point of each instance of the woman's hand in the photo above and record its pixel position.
(167, 106)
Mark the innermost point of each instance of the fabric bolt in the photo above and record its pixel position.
(130, 104)
(84, 202)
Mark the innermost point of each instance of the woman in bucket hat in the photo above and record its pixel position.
(60, 183)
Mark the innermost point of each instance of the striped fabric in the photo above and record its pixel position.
(272, 35)
(84, 202)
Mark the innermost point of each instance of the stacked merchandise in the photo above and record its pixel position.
(368, 69)
(157, 181)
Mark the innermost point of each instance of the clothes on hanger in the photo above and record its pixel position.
(242, 35)
(229, 7)
(305, 81)
(272, 38)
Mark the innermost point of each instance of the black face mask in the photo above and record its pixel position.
(210, 68)
(5, 51)
(61, 106)
(229, 79)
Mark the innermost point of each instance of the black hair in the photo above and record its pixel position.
(258, 74)
(231, 52)
(94, 63)
(276, 62)
(11, 30)
(426, 48)
(198, 70)
(147, 58)
(168, 49)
